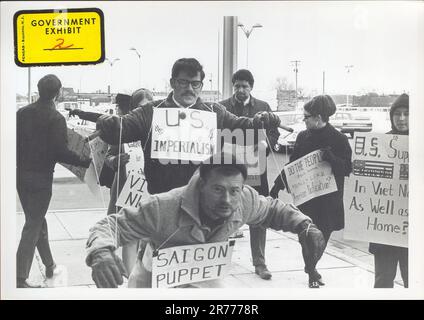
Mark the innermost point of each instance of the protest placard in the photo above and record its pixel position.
(77, 144)
(136, 162)
(98, 153)
(183, 134)
(309, 177)
(189, 264)
(134, 190)
(96, 150)
(376, 194)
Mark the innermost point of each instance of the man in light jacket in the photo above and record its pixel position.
(213, 205)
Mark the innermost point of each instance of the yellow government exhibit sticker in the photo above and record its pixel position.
(59, 37)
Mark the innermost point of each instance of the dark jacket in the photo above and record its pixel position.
(42, 139)
(136, 125)
(249, 110)
(326, 211)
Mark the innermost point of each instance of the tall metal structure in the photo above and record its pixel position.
(296, 70)
(229, 55)
(247, 34)
(348, 67)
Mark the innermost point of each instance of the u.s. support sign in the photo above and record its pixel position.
(59, 37)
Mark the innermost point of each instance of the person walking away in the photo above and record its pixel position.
(41, 142)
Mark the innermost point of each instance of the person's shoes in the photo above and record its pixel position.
(23, 283)
(313, 283)
(50, 271)
(263, 272)
(318, 278)
(237, 234)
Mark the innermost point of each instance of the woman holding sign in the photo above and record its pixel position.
(327, 210)
(386, 258)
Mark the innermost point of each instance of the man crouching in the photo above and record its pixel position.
(213, 205)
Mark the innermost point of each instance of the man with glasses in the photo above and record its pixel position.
(186, 82)
(242, 103)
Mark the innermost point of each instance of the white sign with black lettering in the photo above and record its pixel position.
(189, 264)
(134, 190)
(183, 134)
(376, 194)
(136, 162)
(309, 177)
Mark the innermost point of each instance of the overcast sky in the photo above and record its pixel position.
(380, 39)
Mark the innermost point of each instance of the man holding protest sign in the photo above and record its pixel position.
(169, 161)
(326, 210)
(213, 205)
(41, 142)
(386, 257)
(242, 103)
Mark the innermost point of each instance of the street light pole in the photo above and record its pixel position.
(348, 67)
(247, 33)
(296, 70)
(111, 63)
(139, 64)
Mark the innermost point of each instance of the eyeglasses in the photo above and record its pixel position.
(399, 114)
(194, 84)
(307, 116)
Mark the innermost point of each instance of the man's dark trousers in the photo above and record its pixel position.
(35, 191)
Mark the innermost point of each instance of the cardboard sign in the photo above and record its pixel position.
(183, 134)
(134, 190)
(136, 162)
(59, 37)
(96, 150)
(77, 144)
(309, 177)
(188, 264)
(376, 194)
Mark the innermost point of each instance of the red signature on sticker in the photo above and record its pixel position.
(59, 45)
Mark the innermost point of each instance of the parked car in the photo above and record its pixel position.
(293, 119)
(348, 123)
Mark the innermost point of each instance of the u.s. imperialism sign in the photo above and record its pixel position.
(183, 134)
(376, 194)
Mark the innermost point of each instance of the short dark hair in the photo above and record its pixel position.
(225, 163)
(189, 65)
(243, 75)
(49, 86)
(140, 95)
(322, 105)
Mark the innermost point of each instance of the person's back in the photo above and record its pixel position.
(34, 152)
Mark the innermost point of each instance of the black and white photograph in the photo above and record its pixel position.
(212, 150)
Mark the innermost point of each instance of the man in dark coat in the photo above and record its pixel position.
(386, 257)
(242, 103)
(41, 142)
(186, 82)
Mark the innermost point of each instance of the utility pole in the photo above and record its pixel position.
(296, 70)
(323, 82)
(348, 67)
